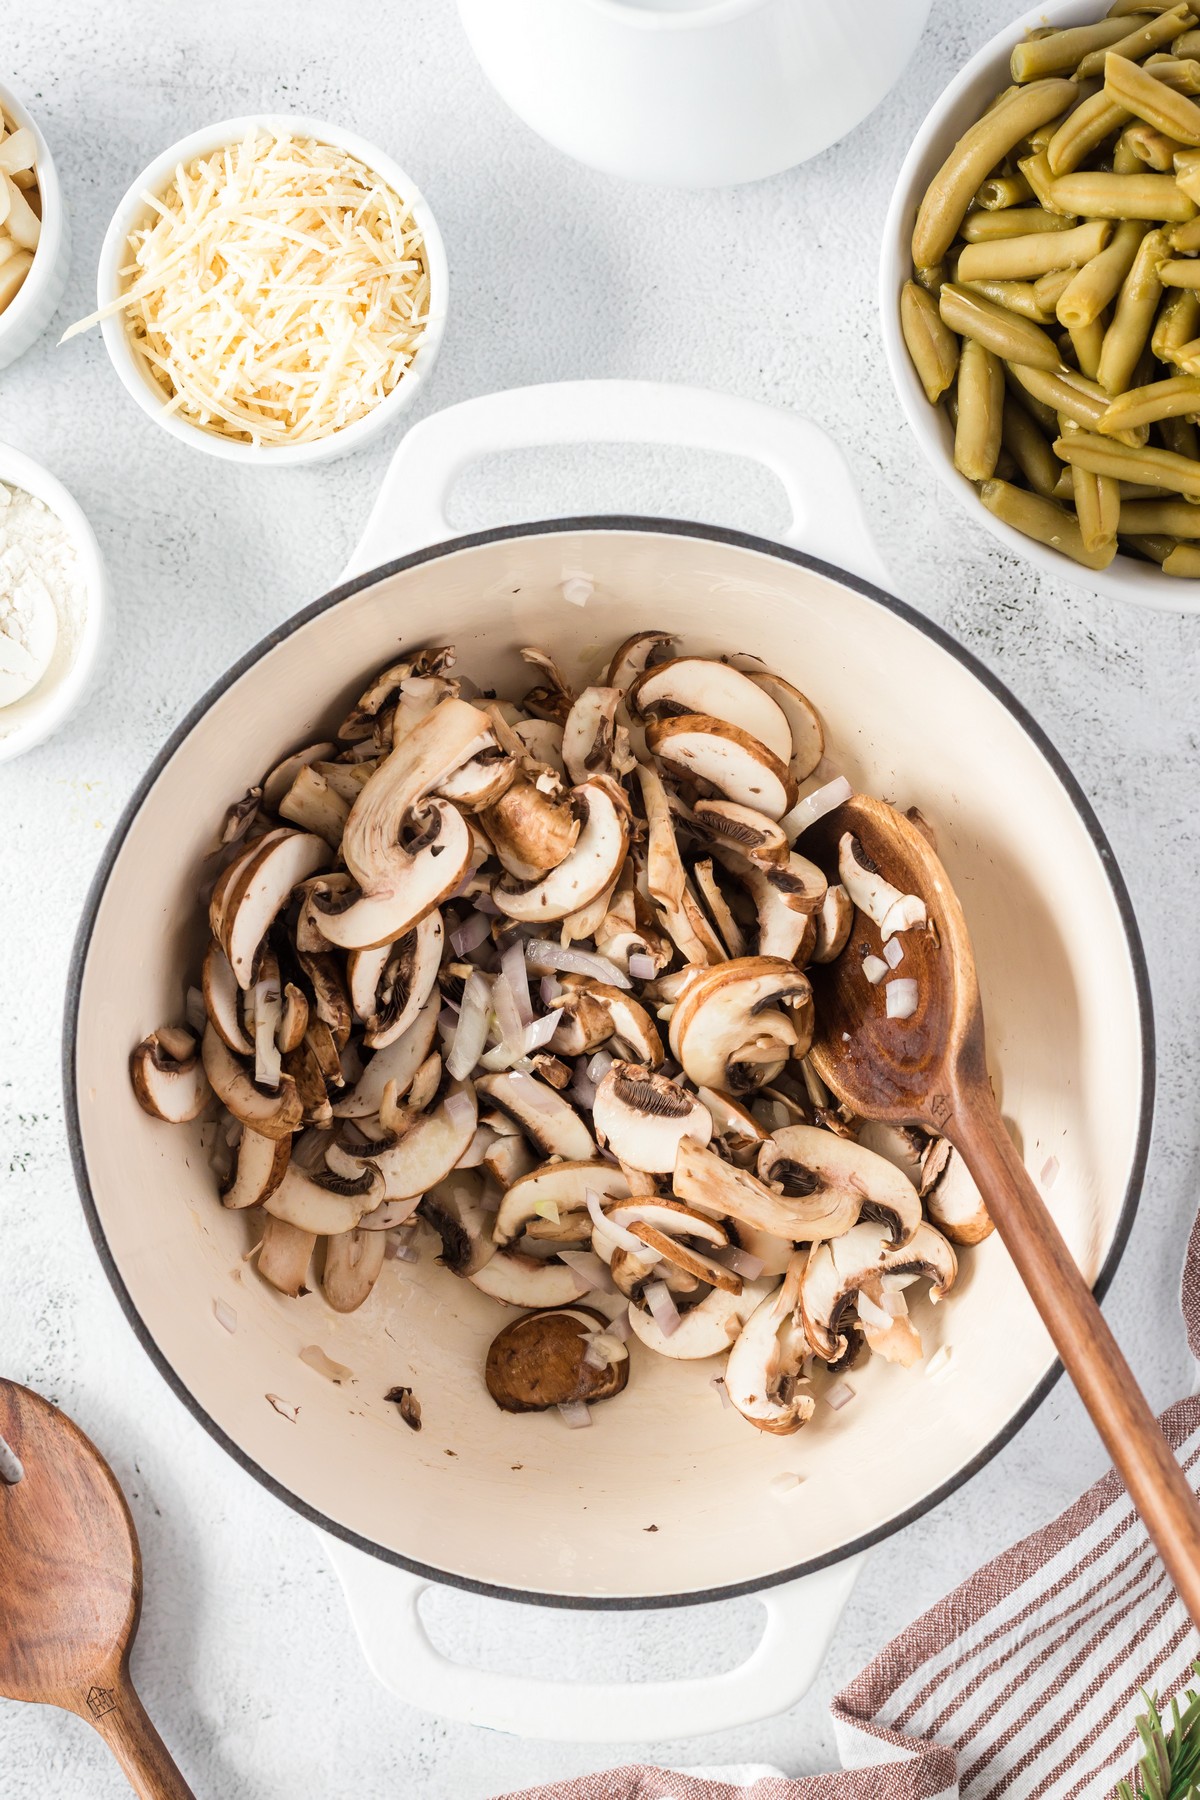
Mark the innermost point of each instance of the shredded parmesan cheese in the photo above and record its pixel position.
(279, 293)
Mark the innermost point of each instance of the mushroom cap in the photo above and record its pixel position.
(481, 781)
(836, 1270)
(531, 830)
(353, 1260)
(694, 684)
(561, 1185)
(277, 782)
(588, 869)
(763, 1363)
(706, 1180)
(588, 737)
(517, 1280)
(304, 1202)
(274, 1115)
(706, 1329)
(728, 1029)
(222, 999)
(641, 1116)
(832, 1182)
(638, 653)
(171, 1087)
(737, 1128)
(743, 829)
(804, 722)
(402, 980)
(731, 761)
(540, 1361)
(548, 1120)
(413, 883)
(593, 1012)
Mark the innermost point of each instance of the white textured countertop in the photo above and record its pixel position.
(246, 1657)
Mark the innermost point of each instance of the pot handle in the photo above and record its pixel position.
(384, 1604)
(828, 520)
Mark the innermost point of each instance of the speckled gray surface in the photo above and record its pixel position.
(246, 1656)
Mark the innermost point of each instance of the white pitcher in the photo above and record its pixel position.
(693, 93)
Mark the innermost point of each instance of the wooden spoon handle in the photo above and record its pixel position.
(1090, 1354)
(118, 1715)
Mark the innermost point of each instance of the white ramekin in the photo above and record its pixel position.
(133, 211)
(62, 687)
(1137, 583)
(38, 297)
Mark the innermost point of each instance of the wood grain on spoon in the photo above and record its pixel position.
(71, 1587)
(931, 1070)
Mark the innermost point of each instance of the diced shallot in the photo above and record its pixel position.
(470, 934)
(718, 1381)
(663, 1309)
(459, 1108)
(901, 997)
(618, 1234)
(225, 1316)
(470, 1028)
(515, 970)
(598, 1066)
(508, 1016)
(939, 1361)
(893, 953)
(641, 966)
(550, 987)
(576, 1414)
(546, 955)
(839, 1395)
(582, 1091)
(740, 1261)
(590, 1268)
(814, 806)
(874, 968)
(540, 1032)
(1049, 1173)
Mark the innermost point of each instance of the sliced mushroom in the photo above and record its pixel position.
(693, 685)
(834, 1182)
(729, 760)
(517, 1280)
(593, 1013)
(389, 986)
(666, 877)
(284, 1255)
(331, 998)
(627, 928)
(835, 921)
(542, 742)
(321, 896)
(506, 1159)
(589, 737)
(891, 910)
(302, 1067)
(808, 736)
(590, 867)
(276, 784)
(541, 1361)
(223, 998)
(293, 1019)
(274, 1115)
(315, 806)
(642, 651)
(455, 1209)
(482, 781)
(558, 1188)
(169, 1079)
(691, 933)
(426, 1082)
(837, 1271)
(259, 1165)
(400, 883)
(955, 1204)
(326, 1205)
(706, 1180)
(738, 1130)
(398, 1062)
(548, 1120)
(764, 1363)
(733, 941)
(729, 1029)
(353, 1260)
(429, 1147)
(262, 889)
(707, 1329)
(532, 830)
(642, 1116)
(742, 829)
(553, 699)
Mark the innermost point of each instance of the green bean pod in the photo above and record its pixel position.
(933, 349)
(1043, 520)
(1011, 338)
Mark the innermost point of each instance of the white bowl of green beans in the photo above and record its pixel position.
(1040, 294)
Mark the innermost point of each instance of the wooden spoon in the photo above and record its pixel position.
(930, 1070)
(71, 1586)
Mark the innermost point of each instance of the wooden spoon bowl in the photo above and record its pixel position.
(71, 1587)
(930, 1069)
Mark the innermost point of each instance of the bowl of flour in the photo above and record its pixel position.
(51, 603)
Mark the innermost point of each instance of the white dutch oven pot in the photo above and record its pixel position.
(693, 93)
(524, 1509)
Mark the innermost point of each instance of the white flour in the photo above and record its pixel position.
(43, 599)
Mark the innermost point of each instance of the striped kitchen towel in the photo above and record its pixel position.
(1022, 1683)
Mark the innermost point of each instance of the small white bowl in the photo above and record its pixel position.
(1137, 583)
(30, 720)
(134, 212)
(37, 299)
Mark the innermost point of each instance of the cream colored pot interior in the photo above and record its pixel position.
(523, 1503)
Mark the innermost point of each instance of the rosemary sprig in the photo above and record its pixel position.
(1169, 1767)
